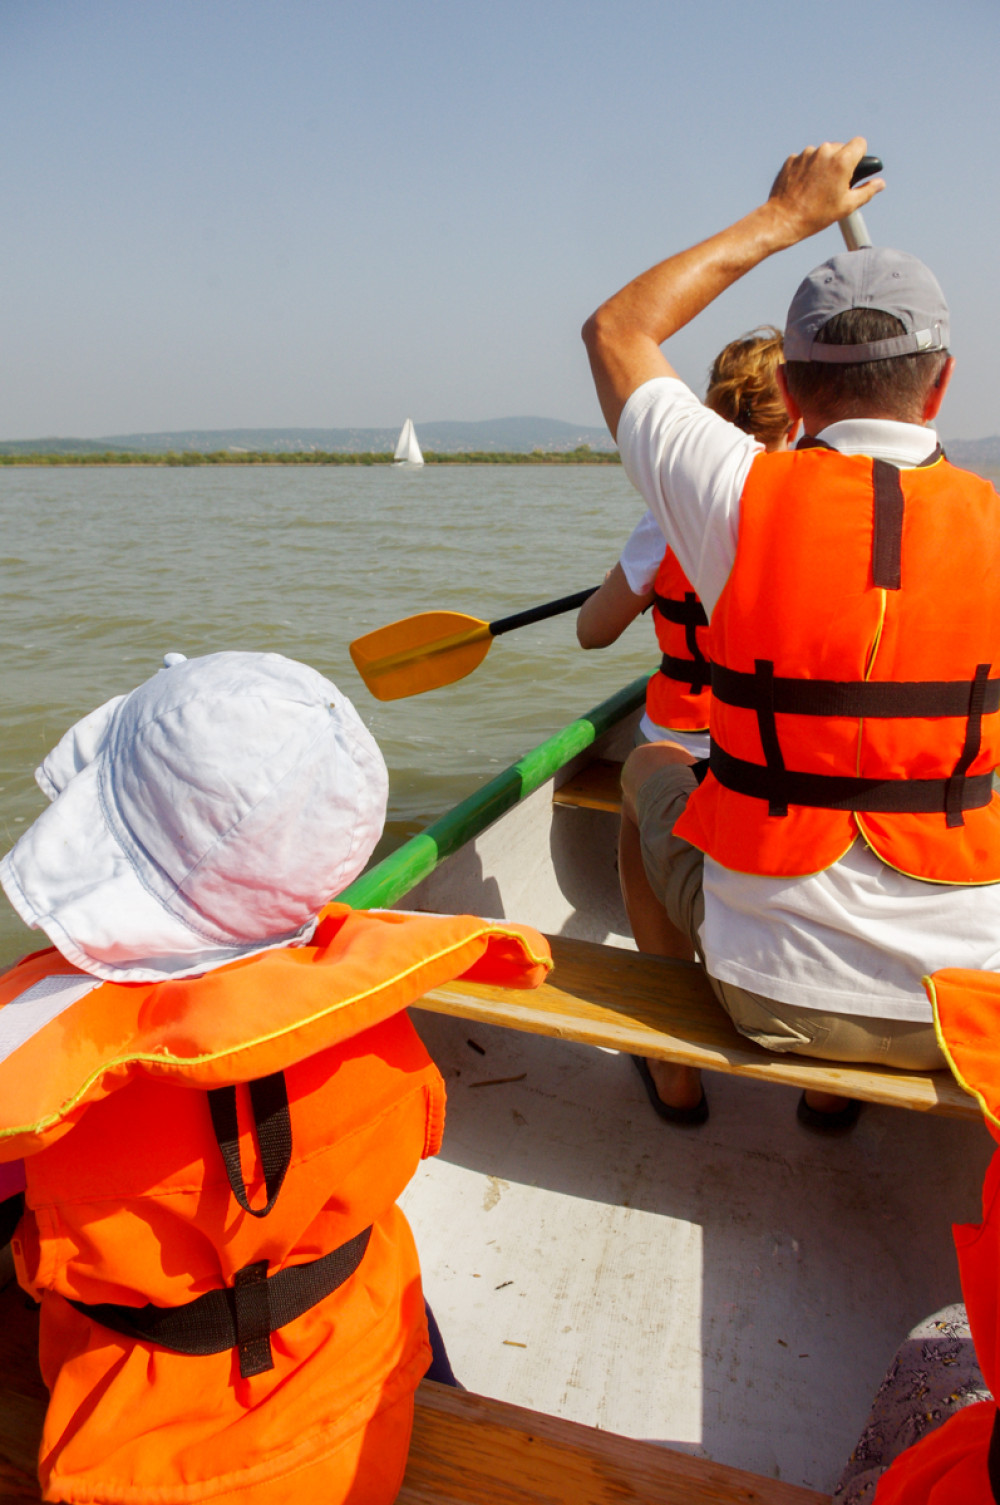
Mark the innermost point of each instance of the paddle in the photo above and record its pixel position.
(436, 648)
(853, 228)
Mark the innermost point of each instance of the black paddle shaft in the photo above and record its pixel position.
(539, 613)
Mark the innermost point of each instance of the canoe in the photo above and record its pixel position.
(735, 1291)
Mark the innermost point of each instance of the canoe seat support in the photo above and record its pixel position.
(648, 1006)
(597, 786)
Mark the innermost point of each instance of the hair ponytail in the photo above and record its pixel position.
(742, 386)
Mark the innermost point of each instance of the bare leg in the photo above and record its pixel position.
(826, 1102)
(678, 1086)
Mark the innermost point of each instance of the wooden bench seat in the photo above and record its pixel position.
(604, 995)
(467, 1448)
(597, 786)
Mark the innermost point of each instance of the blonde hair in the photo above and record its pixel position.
(742, 387)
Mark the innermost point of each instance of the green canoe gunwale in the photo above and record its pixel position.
(392, 878)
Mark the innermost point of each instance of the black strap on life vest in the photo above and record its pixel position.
(973, 740)
(696, 671)
(993, 1458)
(867, 700)
(769, 695)
(269, 1100)
(887, 539)
(242, 1316)
(688, 612)
(822, 791)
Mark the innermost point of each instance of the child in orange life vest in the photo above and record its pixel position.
(219, 1096)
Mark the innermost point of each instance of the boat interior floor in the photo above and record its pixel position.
(735, 1291)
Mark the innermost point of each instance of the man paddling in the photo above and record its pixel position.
(844, 839)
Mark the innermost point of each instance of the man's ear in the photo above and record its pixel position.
(791, 406)
(935, 397)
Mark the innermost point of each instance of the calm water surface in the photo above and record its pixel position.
(105, 570)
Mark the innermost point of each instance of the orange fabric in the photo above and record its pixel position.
(358, 969)
(948, 1467)
(671, 702)
(966, 1012)
(128, 1202)
(966, 1008)
(801, 595)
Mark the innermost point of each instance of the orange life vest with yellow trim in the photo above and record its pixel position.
(952, 1465)
(856, 672)
(132, 1209)
(678, 694)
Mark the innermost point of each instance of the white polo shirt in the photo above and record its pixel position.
(858, 937)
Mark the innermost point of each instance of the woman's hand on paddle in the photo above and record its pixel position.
(813, 190)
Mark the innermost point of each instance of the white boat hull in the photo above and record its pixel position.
(736, 1290)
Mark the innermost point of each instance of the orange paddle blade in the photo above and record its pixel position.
(420, 653)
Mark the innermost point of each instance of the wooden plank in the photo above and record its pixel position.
(646, 1005)
(597, 786)
(468, 1448)
(465, 1448)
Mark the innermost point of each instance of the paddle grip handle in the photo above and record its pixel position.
(539, 613)
(852, 227)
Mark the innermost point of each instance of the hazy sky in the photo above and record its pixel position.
(222, 213)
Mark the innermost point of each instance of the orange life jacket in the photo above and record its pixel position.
(856, 672)
(158, 1180)
(678, 694)
(952, 1465)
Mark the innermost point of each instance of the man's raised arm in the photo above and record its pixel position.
(623, 338)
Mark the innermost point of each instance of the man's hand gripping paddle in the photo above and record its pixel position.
(853, 228)
(436, 648)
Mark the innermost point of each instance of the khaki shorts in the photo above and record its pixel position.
(675, 871)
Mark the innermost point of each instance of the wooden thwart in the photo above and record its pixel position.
(604, 995)
(467, 1448)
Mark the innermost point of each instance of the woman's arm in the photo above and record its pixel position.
(605, 615)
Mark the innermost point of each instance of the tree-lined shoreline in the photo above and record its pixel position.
(583, 455)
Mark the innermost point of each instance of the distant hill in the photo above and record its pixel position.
(520, 435)
(974, 454)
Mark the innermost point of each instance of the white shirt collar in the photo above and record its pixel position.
(900, 444)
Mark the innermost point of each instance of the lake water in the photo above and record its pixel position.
(105, 570)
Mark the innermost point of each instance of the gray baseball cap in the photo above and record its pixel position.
(874, 277)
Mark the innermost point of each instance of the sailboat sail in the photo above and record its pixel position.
(407, 448)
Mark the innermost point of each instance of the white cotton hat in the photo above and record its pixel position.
(208, 815)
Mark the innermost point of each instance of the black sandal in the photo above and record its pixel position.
(685, 1118)
(841, 1122)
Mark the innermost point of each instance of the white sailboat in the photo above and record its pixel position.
(407, 448)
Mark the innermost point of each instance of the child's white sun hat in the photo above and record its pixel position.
(206, 816)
